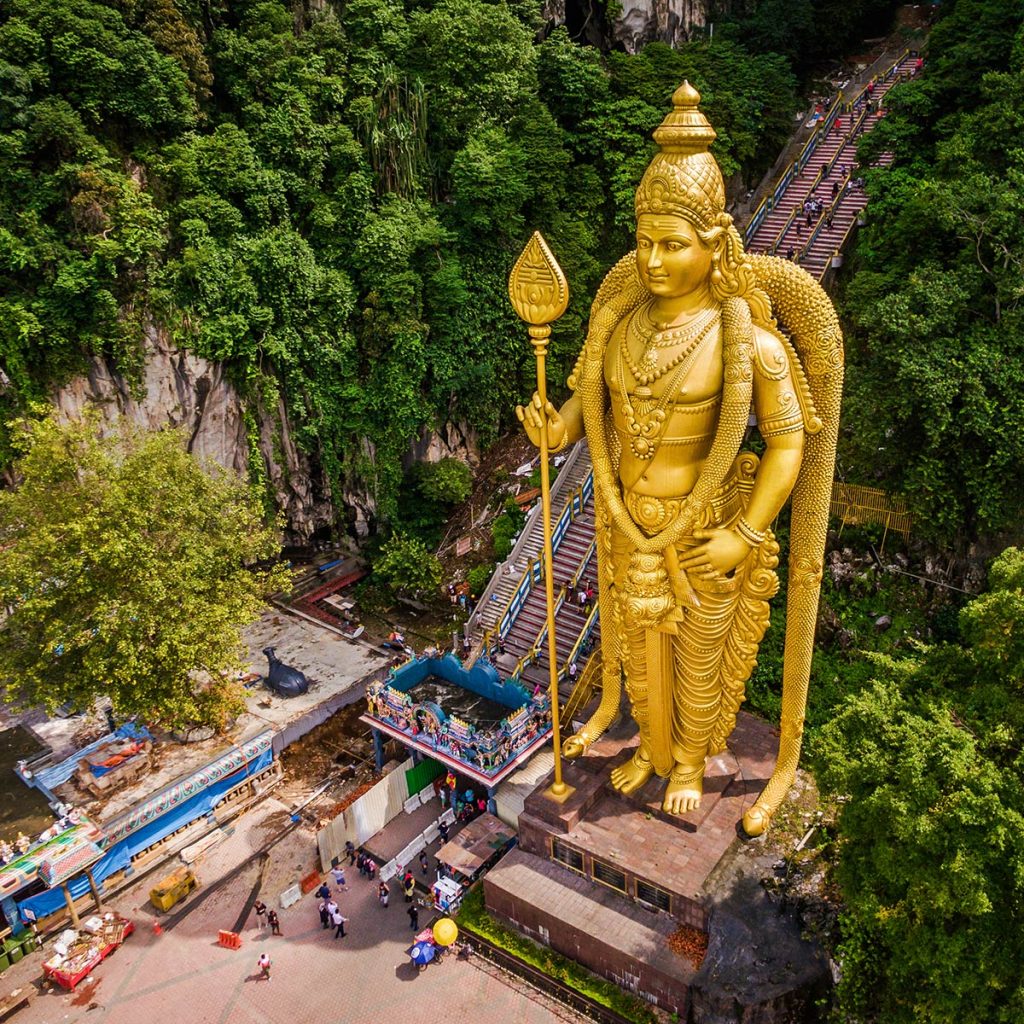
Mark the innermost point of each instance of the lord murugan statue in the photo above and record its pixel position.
(692, 341)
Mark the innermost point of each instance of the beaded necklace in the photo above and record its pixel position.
(643, 429)
(647, 371)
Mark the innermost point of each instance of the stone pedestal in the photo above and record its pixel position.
(606, 878)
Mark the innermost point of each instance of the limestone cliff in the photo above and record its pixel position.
(632, 27)
(665, 21)
(180, 389)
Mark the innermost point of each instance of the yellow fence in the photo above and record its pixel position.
(854, 505)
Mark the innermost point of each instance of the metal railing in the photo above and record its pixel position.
(588, 627)
(586, 686)
(534, 572)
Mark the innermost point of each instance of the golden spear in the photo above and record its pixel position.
(540, 295)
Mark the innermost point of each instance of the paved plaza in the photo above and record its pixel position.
(182, 975)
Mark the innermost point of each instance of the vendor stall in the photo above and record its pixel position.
(475, 848)
(447, 895)
(77, 953)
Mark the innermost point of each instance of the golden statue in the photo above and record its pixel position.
(683, 347)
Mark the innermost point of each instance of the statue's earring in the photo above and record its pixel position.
(716, 274)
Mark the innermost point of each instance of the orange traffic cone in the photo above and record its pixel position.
(157, 930)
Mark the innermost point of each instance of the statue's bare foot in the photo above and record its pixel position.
(576, 746)
(684, 790)
(633, 774)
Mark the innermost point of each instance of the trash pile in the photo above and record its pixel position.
(689, 942)
(76, 952)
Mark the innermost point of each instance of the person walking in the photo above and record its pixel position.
(339, 923)
(383, 892)
(332, 909)
(261, 913)
(361, 859)
(371, 868)
(325, 917)
(424, 862)
(264, 965)
(339, 877)
(409, 886)
(414, 917)
(442, 831)
(275, 923)
(350, 852)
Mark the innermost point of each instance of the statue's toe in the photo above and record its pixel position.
(574, 746)
(755, 821)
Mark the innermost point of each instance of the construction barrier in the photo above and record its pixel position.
(229, 940)
(310, 882)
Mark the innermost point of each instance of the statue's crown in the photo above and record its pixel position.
(683, 178)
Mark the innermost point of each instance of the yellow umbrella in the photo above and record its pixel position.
(446, 931)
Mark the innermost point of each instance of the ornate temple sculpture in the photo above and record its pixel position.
(688, 336)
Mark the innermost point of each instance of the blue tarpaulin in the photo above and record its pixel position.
(119, 856)
(57, 774)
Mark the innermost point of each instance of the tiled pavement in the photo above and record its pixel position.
(364, 978)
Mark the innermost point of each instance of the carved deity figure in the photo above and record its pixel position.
(691, 341)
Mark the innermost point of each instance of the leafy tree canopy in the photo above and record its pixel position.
(406, 567)
(935, 384)
(328, 201)
(128, 570)
(931, 853)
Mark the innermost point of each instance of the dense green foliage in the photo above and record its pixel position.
(935, 404)
(506, 527)
(931, 858)
(407, 568)
(428, 494)
(328, 200)
(808, 32)
(127, 569)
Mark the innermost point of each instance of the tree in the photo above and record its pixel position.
(931, 829)
(127, 570)
(407, 568)
(934, 309)
(931, 862)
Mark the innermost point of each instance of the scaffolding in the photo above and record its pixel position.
(854, 505)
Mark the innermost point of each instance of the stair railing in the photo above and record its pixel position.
(534, 572)
(532, 655)
(586, 686)
(777, 241)
(841, 105)
(588, 627)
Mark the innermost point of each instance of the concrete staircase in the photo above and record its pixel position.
(825, 176)
(506, 578)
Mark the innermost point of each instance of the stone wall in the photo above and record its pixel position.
(592, 926)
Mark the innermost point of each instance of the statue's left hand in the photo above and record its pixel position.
(720, 553)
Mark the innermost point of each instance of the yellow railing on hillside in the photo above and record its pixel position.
(854, 505)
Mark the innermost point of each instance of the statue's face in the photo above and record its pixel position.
(671, 258)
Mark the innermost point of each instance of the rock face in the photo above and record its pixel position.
(639, 23)
(666, 21)
(180, 389)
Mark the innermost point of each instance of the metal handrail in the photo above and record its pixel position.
(533, 651)
(588, 628)
(587, 684)
(839, 105)
(534, 571)
(785, 227)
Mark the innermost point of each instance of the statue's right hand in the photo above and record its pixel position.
(530, 417)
